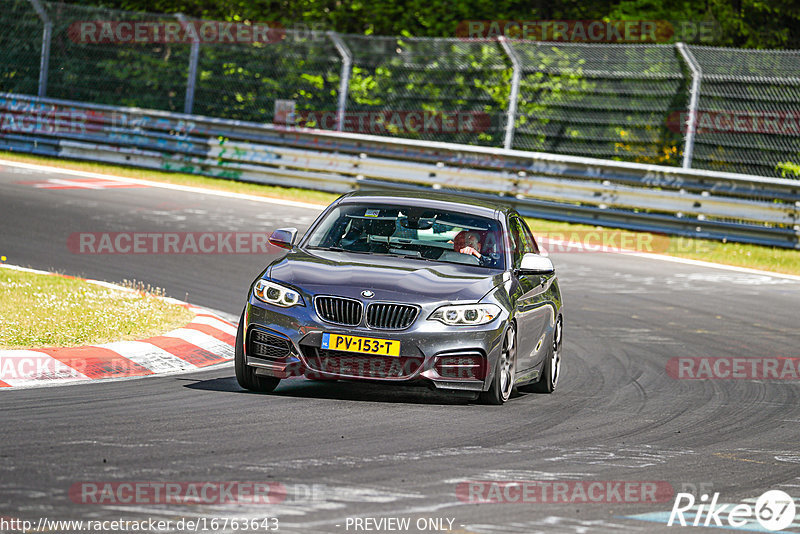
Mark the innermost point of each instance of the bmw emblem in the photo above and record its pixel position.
(367, 294)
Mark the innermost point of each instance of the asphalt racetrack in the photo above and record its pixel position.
(345, 451)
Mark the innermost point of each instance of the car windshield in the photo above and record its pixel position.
(415, 232)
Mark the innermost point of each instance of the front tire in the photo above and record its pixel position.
(246, 376)
(505, 372)
(551, 370)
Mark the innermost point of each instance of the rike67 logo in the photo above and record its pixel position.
(774, 510)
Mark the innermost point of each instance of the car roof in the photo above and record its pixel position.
(431, 199)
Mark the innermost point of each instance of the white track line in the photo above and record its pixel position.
(176, 187)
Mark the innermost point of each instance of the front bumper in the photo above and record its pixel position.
(286, 342)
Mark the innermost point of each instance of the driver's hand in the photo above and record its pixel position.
(470, 250)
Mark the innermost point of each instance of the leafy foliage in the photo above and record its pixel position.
(741, 23)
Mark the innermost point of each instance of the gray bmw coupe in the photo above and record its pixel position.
(445, 291)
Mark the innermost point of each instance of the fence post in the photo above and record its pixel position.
(694, 98)
(44, 62)
(512, 99)
(191, 78)
(344, 82)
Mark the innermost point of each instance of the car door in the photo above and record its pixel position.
(530, 303)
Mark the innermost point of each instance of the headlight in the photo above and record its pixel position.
(277, 294)
(466, 314)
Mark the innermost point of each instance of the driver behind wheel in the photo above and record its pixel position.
(467, 242)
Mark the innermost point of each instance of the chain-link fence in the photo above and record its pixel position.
(434, 89)
(147, 75)
(748, 116)
(605, 101)
(708, 108)
(243, 81)
(20, 47)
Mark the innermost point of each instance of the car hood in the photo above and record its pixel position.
(390, 278)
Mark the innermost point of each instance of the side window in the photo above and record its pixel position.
(517, 236)
(529, 237)
(522, 241)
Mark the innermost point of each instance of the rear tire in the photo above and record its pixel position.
(551, 370)
(245, 375)
(504, 373)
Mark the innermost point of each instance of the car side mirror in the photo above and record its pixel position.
(536, 264)
(283, 237)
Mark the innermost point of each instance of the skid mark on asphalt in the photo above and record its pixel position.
(519, 475)
(123, 445)
(630, 457)
(400, 457)
(729, 456)
(629, 335)
(765, 456)
(627, 457)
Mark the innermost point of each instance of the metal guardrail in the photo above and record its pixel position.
(685, 202)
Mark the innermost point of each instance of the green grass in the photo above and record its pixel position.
(39, 310)
(742, 255)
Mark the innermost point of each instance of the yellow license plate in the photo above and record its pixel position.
(364, 345)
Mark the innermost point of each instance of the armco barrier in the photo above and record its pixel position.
(685, 202)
